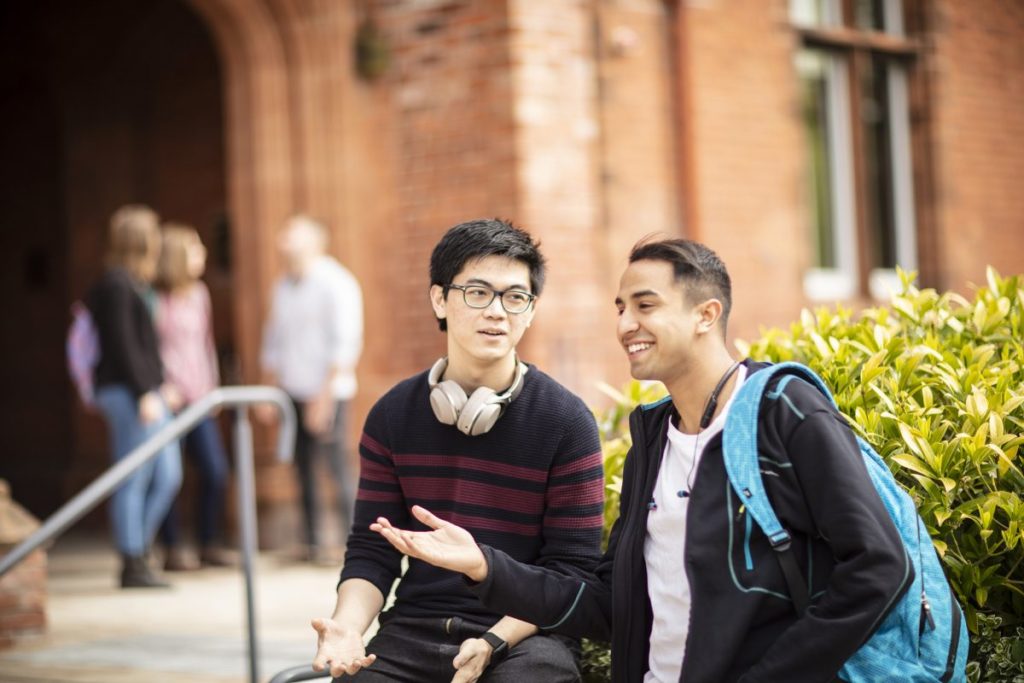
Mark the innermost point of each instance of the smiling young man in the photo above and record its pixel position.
(689, 590)
(489, 443)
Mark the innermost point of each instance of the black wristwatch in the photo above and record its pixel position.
(498, 645)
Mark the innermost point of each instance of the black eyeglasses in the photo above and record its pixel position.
(480, 296)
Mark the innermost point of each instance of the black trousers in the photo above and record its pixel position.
(308, 448)
(413, 650)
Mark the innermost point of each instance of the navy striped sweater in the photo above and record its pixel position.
(533, 486)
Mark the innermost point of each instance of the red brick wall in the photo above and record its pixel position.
(744, 152)
(977, 70)
(23, 599)
(451, 140)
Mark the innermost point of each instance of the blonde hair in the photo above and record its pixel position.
(135, 240)
(173, 271)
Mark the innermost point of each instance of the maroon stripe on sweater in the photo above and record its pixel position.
(463, 462)
(375, 471)
(578, 465)
(374, 446)
(570, 495)
(473, 493)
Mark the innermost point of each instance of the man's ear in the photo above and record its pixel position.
(531, 312)
(437, 301)
(708, 314)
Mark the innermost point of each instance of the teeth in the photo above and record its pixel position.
(643, 346)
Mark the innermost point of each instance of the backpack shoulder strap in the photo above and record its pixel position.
(739, 448)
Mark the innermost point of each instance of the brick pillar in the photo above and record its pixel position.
(23, 589)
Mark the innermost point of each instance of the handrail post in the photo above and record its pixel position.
(244, 468)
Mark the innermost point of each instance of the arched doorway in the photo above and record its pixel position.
(103, 103)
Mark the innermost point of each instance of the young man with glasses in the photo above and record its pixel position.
(489, 443)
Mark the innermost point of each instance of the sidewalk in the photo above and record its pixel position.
(195, 632)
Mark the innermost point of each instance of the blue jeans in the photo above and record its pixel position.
(140, 504)
(203, 445)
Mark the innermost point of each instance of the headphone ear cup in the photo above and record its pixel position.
(447, 399)
(480, 412)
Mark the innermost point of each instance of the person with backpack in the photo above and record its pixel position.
(129, 387)
(691, 588)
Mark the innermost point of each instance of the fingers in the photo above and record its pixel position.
(394, 536)
(428, 518)
(338, 667)
(353, 666)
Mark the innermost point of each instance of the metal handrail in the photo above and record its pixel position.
(238, 397)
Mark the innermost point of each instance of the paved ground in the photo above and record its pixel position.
(194, 632)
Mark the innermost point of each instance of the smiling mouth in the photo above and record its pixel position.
(492, 333)
(637, 347)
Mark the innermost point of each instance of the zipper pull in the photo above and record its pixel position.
(739, 513)
(926, 615)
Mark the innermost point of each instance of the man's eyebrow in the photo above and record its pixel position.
(481, 281)
(642, 293)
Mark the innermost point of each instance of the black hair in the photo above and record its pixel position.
(701, 271)
(481, 238)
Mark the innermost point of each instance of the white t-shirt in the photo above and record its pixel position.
(664, 548)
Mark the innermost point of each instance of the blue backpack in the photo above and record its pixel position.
(924, 637)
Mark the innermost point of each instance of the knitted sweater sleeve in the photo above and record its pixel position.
(369, 556)
(574, 500)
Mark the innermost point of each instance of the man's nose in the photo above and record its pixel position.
(495, 308)
(626, 324)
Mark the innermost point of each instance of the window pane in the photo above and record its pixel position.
(813, 70)
(878, 162)
(815, 12)
(878, 15)
(869, 15)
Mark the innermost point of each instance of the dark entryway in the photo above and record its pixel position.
(101, 104)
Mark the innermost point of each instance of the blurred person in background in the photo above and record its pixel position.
(184, 325)
(129, 387)
(311, 344)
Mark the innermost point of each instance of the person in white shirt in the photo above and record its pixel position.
(311, 344)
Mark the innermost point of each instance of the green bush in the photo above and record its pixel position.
(935, 383)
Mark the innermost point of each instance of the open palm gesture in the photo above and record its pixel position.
(448, 546)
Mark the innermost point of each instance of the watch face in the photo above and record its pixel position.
(498, 645)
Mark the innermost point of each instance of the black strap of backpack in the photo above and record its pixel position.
(794, 578)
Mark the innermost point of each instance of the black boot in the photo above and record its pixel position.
(135, 573)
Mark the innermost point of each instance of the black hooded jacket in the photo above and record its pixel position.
(743, 626)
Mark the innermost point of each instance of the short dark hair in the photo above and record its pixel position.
(701, 271)
(481, 238)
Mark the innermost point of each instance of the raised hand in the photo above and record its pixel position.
(339, 649)
(448, 546)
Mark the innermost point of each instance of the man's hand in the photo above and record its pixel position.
(447, 546)
(339, 649)
(318, 416)
(265, 413)
(474, 656)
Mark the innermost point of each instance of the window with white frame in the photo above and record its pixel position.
(852, 67)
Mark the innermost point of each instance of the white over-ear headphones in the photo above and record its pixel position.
(476, 414)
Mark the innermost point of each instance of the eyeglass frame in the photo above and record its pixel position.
(500, 295)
